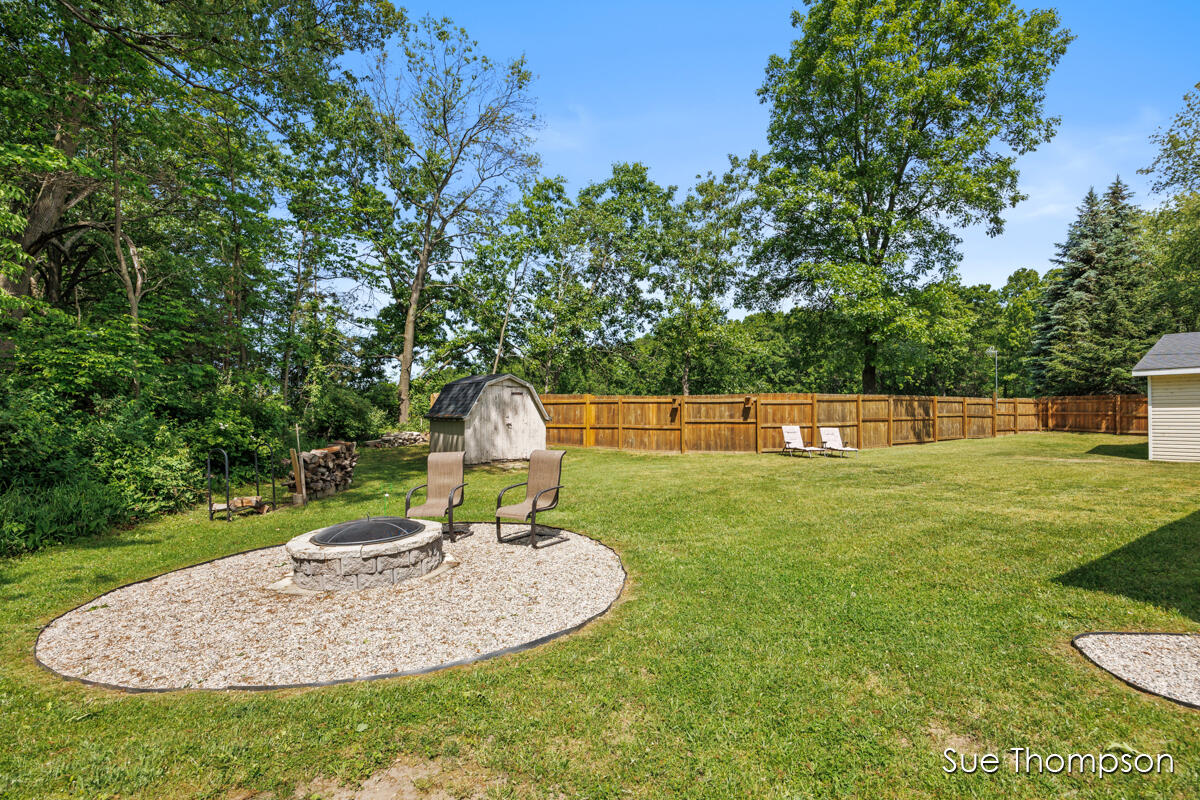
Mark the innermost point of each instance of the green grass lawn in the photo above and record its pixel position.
(791, 628)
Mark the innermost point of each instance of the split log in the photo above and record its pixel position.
(325, 470)
(400, 439)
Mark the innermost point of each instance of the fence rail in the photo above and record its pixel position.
(752, 423)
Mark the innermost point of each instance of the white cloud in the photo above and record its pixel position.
(1055, 179)
(572, 133)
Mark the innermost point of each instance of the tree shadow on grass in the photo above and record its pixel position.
(391, 463)
(1139, 451)
(1162, 567)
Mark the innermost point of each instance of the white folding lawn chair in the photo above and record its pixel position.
(793, 442)
(831, 440)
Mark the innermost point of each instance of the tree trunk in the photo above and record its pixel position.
(50, 202)
(410, 335)
(131, 280)
(507, 313)
(870, 384)
(286, 367)
(870, 381)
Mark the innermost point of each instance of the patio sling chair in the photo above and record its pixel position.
(541, 494)
(793, 442)
(444, 491)
(831, 439)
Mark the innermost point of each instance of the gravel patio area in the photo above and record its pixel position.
(218, 625)
(1165, 664)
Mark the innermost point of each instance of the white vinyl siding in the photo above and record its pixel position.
(1174, 403)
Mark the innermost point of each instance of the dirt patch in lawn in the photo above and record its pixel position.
(409, 778)
(943, 737)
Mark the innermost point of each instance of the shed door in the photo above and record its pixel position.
(1175, 417)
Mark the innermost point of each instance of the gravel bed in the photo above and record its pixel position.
(217, 625)
(1166, 664)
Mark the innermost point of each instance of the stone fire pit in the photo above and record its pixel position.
(364, 553)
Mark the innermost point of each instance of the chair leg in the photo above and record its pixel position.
(451, 532)
(531, 533)
(557, 538)
(507, 539)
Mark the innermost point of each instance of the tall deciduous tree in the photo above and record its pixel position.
(64, 66)
(454, 132)
(890, 122)
(1173, 231)
(703, 245)
(1176, 168)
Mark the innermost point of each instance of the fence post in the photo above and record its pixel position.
(589, 437)
(995, 402)
(891, 415)
(1119, 398)
(964, 416)
(815, 441)
(858, 421)
(682, 399)
(935, 418)
(757, 426)
(620, 421)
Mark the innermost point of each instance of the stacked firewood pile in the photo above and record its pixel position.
(325, 471)
(401, 439)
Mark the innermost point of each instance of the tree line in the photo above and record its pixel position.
(223, 219)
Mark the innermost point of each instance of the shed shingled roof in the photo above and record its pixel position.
(1173, 351)
(457, 398)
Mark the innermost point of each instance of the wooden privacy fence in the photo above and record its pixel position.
(753, 422)
(1101, 413)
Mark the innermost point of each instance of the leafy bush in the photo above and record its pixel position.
(144, 460)
(31, 518)
(383, 396)
(65, 474)
(340, 413)
(237, 418)
(80, 363)
(39, 449)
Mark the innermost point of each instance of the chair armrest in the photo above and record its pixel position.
(450, 500)
(542, 492)
(408, 497)
(500, 496)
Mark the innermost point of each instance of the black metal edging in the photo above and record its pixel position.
(1129, 683)
(517, 648)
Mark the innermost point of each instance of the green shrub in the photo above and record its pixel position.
(236, 417)
(31, 518)
(340, 413)
(383, 396)
(40, 447)
(144, 460)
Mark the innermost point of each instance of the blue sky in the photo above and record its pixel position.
(673, 85)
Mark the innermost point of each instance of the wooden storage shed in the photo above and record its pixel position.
(489, 417)
(1172, 372)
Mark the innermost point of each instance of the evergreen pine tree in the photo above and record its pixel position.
(1122, 329)
(1063, 321)
(1093, 324)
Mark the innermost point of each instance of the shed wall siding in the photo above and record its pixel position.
(504, 425)
(1174, 403)
(445, 435)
